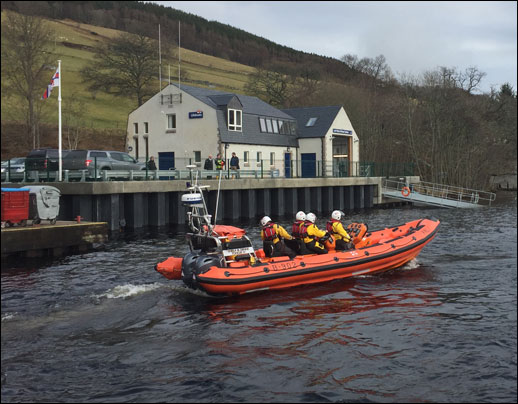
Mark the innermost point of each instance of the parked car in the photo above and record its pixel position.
(92, 160)
(44, 159)
(16, 165)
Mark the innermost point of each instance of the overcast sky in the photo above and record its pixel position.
(413, 36)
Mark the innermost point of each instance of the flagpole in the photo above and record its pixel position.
(179, 60)
(59, 104)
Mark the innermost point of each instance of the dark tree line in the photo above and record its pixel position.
(437, 121)
(198, 34)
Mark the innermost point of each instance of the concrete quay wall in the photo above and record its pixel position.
(138, 204)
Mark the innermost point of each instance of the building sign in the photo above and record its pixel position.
(197, 114)
(343, 131)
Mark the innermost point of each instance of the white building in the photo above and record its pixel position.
(328, 143)
(184, 125)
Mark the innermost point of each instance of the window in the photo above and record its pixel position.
(171, 121)
(116, 156)
(282, 127)
(197, 156)
(245, 157)
(292, 128)
(97, 154)
(275, 127)
(259, 156)
(146, 127)
(269, 126)
(234, 120)
(262, 124)
(272, 158)
(135, 138)
(135, 128)
(127, 158)
(311, 121)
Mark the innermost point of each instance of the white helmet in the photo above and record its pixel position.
(300, 215)
(265, 220)
(311, 217)
(337, 215)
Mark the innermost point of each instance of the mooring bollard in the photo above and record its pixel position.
(78, 219)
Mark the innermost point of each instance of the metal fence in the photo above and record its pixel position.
(437, 194)
(176, 168)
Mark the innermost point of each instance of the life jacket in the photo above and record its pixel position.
(304, 229)
(329, 225)
(269, 232)
(296, 229)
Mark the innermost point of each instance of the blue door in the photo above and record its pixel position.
(287, 165)
(308, 163)
(165, 162)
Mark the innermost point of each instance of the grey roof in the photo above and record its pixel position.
(325, 115)
(253, 108)
(251, 105)
(221, 100)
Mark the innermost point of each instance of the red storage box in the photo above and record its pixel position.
(15, 206)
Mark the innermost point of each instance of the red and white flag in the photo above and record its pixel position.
(53, 83)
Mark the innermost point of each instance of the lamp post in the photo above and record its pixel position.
(226, 162)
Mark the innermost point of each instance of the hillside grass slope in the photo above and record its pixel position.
(74, 46)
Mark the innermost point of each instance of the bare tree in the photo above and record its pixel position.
(471, 78)
(126, 66)
(269, 85)
(283, 86)
(26, 45)
(376, 68)
(74, 112)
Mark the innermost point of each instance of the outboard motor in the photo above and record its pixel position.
(204, 262)
(189, 269)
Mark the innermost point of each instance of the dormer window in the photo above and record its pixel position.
(234, 120)
(311, 122)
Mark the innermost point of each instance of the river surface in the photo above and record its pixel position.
(104, 326)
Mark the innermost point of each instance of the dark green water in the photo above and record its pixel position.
(105, 327)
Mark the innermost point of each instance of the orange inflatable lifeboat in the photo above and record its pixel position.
(225, 263)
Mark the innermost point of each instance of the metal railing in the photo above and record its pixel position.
(169, 169)
(439, 192)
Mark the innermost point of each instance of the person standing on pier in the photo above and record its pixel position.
(234, 164)
(209, 165)
(151, 164)
(220, 163)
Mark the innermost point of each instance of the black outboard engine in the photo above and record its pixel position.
(195, 263)
(189, 269)
(204, 262)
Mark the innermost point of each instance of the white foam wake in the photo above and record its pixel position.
(8, 316)
(413, 264)
(129, 290)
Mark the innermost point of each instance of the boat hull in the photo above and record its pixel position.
(385, 249)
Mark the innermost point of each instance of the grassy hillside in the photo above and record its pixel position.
(74, 46)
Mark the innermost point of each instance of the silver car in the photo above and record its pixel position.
(16, 165)
(97, 160)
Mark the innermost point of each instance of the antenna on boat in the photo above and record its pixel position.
(217, 199)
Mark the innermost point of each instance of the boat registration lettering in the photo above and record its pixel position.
(238, 251)
(283, 265)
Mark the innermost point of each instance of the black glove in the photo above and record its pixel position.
(325, 238)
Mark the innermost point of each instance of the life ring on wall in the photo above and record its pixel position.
(405, 191)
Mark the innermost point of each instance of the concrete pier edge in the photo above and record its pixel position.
(139, 204)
